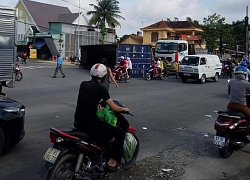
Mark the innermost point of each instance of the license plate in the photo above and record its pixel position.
(219, 141)
(51, 155)
(187, 74)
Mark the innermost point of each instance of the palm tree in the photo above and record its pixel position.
(105, 13)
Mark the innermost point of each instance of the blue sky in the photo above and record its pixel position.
(142, 13)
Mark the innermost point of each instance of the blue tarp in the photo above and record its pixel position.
(40, 43)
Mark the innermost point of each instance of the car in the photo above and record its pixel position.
(12, 118)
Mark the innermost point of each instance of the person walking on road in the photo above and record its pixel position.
(109, 76)
(59, 66)
(129, 70)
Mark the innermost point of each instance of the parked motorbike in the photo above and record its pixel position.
(19, 74)
(232, 131)
(77, 155)
(152, 73)
(72, 59)
(120, 77)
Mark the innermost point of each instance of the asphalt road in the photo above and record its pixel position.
(174, 122)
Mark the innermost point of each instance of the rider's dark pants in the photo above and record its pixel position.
(103, 131)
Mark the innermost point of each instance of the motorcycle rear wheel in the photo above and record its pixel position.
(226, 151)
(128, 79)
(127, 163)
(64, 168)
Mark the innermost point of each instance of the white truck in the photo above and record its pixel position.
(7, 46)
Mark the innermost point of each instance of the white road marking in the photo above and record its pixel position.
(35, 67)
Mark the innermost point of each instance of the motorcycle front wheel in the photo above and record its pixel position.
(127, 163)
(148, 76)
(19, 76)
(64, 168)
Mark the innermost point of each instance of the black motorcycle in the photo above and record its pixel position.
(153, 73)
(227, 70)
(77, 155)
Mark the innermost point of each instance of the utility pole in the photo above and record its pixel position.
(78, 36)
(221, 44)
(247, 34)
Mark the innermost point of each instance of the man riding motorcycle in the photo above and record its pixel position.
(238, 89)
(243, 63)
(89, 97)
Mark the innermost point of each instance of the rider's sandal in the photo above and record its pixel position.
(117, 167)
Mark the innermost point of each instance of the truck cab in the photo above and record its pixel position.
(7, 46)
(172, 51)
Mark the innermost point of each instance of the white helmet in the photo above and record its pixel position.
(98, 70)
(128, 58)
(122, 57)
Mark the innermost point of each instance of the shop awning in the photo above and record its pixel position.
(40, 43)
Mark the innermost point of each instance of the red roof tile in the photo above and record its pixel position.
(139, 39)
(172, 24)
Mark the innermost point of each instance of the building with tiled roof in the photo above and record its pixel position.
(55, 29)
(132, 39)
(171, 29)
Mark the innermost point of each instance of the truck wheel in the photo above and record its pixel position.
(2, 141)
(184, 80)
(203, 79)
(216, 77)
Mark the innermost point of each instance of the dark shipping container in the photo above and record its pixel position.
(140, 56)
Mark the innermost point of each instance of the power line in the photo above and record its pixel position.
(129, 25)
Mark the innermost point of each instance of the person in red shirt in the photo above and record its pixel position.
(24, 57)
(123, 66)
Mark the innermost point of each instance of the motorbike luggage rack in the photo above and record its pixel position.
(226, 114)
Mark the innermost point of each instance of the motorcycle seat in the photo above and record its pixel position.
(77, 133)
(232, 113)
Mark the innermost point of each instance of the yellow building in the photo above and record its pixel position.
(172, 29)
(132, 39)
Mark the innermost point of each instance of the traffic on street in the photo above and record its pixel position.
(174, 123)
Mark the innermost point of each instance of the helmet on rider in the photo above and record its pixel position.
(241, 70)
(98, 71)
(58, 55)
(243, 63)
(122, 57)
(128, 58)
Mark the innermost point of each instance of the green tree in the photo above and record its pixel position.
(105, 13)
(239, 32)
(34, 36)
(217, 33)
(195, 22)
(60, 41)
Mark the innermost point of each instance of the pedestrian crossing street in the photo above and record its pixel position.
(35, 67)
